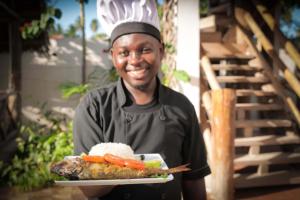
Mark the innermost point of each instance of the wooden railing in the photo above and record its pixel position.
(219, 130)
(269, 49)
(284, 42)
(288, 75)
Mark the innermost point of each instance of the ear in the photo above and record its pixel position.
(111, 52)
(162, 50)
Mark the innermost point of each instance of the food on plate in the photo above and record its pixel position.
(117, 149)
(108, 162)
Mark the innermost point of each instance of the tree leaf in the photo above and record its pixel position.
(181, 75)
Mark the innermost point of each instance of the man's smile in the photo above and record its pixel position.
(138, 73)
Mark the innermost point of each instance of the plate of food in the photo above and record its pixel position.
(113, 164)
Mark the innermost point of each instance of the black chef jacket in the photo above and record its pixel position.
(167, 126)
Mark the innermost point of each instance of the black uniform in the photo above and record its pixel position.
(168, 126)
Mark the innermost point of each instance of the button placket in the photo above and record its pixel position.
(128, 118)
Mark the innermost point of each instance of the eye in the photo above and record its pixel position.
(146, 50)
(123, 53)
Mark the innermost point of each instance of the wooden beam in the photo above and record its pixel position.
(223, 133)
(286, 43)
(268, 47)
(209, 73)
(277, 86)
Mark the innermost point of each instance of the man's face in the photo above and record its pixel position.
(137, 59)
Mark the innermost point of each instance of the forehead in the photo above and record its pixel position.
(135, 39)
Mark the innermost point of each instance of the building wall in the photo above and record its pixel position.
(188, 47)
(43, 74)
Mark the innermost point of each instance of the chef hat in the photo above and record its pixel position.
(121, 17)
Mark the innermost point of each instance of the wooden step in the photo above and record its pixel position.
(211, 36)
(267, 158)
(249, 92)
(268, 179)
(241, 79)
(258, 106)
(217, 51)
(263, 123)
(232, 67)
(267, 140)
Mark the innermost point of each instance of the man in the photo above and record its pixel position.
(138, 110)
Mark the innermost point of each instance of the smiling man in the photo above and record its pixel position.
(138, 110)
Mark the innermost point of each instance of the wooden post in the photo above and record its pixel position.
(223, 134)
(14, 85)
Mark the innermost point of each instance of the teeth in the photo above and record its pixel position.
(137, 73)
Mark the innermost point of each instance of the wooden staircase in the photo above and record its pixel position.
(267, 149)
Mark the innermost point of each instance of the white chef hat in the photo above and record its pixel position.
(121, 17)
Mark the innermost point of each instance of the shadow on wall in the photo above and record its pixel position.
(42, 75)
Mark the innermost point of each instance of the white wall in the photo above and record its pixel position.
(188, 45)
(42, 75)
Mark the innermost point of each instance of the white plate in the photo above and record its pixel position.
(121, 181)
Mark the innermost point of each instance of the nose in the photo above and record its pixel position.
(134, 58)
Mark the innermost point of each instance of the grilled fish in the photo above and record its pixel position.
(78, 169)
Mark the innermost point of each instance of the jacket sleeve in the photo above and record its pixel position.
(194, 151)
(87, 130)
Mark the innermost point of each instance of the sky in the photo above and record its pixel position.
(71, 11)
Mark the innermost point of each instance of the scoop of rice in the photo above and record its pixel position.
(117, 149)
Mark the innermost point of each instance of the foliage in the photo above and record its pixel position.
(72, 31)
(38, 147)
(56, 29)
(101, 36)
(69, 89)
(172, 74)
(34, 28)
(97, 78)
(203, 7)
(289, 21)
(94, 25)
(168, 75)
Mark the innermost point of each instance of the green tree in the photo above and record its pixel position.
(71, 32)
(94, 25)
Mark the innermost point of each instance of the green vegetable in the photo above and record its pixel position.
(153, 163)
(160, 176)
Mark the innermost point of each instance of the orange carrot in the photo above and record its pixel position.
(116, 160)
(134, 164)
(97, 159)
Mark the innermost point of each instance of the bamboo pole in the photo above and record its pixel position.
(289, 103)
(268, 47)
(287, 44)
(223, 133)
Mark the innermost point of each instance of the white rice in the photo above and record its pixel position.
(117, 149)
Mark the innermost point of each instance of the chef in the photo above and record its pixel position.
(138, 110)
